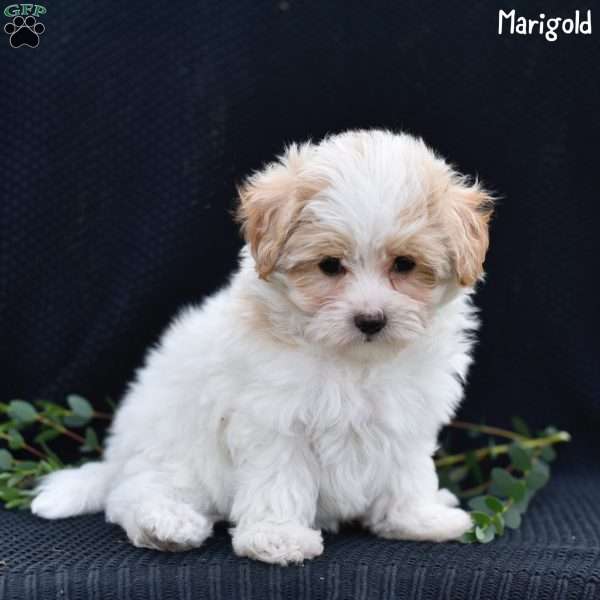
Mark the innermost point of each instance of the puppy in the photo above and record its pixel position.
(311, 389)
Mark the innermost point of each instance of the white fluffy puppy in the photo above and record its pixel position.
(311, 389)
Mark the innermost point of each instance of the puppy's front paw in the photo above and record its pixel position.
(167, 525)
(426, 523)
(276, 543)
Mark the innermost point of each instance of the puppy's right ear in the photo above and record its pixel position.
(270, 203)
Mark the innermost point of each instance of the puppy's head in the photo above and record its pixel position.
(366, 233)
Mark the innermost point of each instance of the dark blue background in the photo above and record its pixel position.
(123, 137)
(125, 132)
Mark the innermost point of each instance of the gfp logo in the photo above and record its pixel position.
(24, 29)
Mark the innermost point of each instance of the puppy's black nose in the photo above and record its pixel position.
(370, 324)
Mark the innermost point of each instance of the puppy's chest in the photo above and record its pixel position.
(353, 466)
(352, 448)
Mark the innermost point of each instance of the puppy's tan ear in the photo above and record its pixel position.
(270, 202)
(468, 212)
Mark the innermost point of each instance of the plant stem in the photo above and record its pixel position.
(27, 447)
(63, 430)
(475, 490)
(481, 488)
(487, 429)
(102, 415)
(549, 440)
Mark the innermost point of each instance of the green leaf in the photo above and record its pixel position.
(505, 484)
(91, 441)
(548, 454)
(503, 480)
(479, 504)
(75, 421)
(16, 479)
(80, 407)
(539, 475)
(52, 459)
(6, 460)
(494, 504)
(474, 467)
(518, 491)
(52, 411)
(468, 537)
(22, 412)
(523, 504)
(28, 465)
(512, 518)
(46, 435)
(519, 457)
(485, 535)
(498, 523)
(8, 493)
(521, 427)
(481, 519)
(15, 440)
(48, 466)
(18, 503)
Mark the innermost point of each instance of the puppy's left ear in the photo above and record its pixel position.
(468, 212)
(270, 203)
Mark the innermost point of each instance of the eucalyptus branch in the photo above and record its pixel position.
(487, 429)
(30, 449)
(499, 501)
(482, 487)
(495, 450)
(61, 429)
(41, 422)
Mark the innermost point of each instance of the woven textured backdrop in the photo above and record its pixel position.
(126, 131)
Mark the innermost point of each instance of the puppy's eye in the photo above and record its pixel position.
(403, 264)
(331, 266)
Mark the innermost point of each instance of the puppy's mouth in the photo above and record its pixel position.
(373, 338)
(386, 338)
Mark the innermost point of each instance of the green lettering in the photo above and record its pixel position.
(12, 10)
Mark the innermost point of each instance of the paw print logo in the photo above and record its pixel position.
(24, 31)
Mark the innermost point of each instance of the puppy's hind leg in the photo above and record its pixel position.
(156, 514)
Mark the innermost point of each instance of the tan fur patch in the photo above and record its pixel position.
(467, 219)
(427, 251)
(315, 288)
(463, 211)
(270, 203)
(310, 242)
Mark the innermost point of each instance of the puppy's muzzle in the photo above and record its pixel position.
(370, 324)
